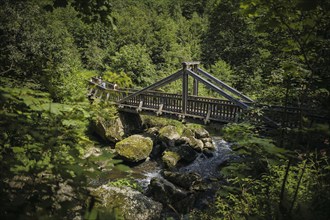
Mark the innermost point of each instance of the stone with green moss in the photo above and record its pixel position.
(170, 158)
(109, 129)
(169, 134)
(201, 133)
(188, 133)
(134, 148)
(127, 203)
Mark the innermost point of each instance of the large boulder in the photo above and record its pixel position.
(186, 153)
(188, 133)
(169, 194)
(188, 136)
(201, 133)
(184, 180)
(128, 203)
(134, 148)
(199, 139)
(195, 143)
(169, 135)
(164, 191)
(109, 130)
(208, 143)
(209, 146)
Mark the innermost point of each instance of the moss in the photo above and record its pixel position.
(170, 158)
(188, 133)
(134, 148)
(125, 203)
(169, 131)
(153, 121)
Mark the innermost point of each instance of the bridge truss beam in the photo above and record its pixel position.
(224, 85)
(156, 85)
(218, 90)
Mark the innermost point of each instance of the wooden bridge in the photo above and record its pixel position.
(233, 107)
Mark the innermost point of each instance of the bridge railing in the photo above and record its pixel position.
(197, 107)
(214, 110)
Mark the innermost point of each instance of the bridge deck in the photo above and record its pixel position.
(203, 108)
(209, 109)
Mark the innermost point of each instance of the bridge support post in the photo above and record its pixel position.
(184, 89)
(195, 85)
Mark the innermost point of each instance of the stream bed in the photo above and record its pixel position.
(206, 165)
(150, 173)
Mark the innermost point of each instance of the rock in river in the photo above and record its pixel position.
(128, 203)
(169, 135)
(134, 148)
(201, 133)
(184, 180)
(109, 130)
(168, 194)
(170, 158)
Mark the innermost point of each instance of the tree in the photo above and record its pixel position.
(134, 60)
(297, 29)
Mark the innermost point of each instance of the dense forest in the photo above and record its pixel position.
(275, 51)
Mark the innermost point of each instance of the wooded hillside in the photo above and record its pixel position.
(275, 51)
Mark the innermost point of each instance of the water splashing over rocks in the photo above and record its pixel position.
(207, 164)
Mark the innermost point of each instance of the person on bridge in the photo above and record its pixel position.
(99, 80)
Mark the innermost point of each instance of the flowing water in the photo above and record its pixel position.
(207, 165)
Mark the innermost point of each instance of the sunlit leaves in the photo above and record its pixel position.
(121, 79)
(44, 142)
(135, 61)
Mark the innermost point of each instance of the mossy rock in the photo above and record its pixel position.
(188, 133)
(184, 180)
(196, 144)
(109, 130)
(186, 152)
(128, 204)
(169, 134)
(134, 148)
(170, 158)
(201, 133)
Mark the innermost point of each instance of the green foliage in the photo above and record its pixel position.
(294, 31)
(135, 62)
(231, 38)
(103, 110)
(275, 51)
(41, 149)
(127, 183)
(121, 79)
(32, 34)
(261, 184)
(263, 197)
(223, 71)
(153, 121)
(257, 151)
